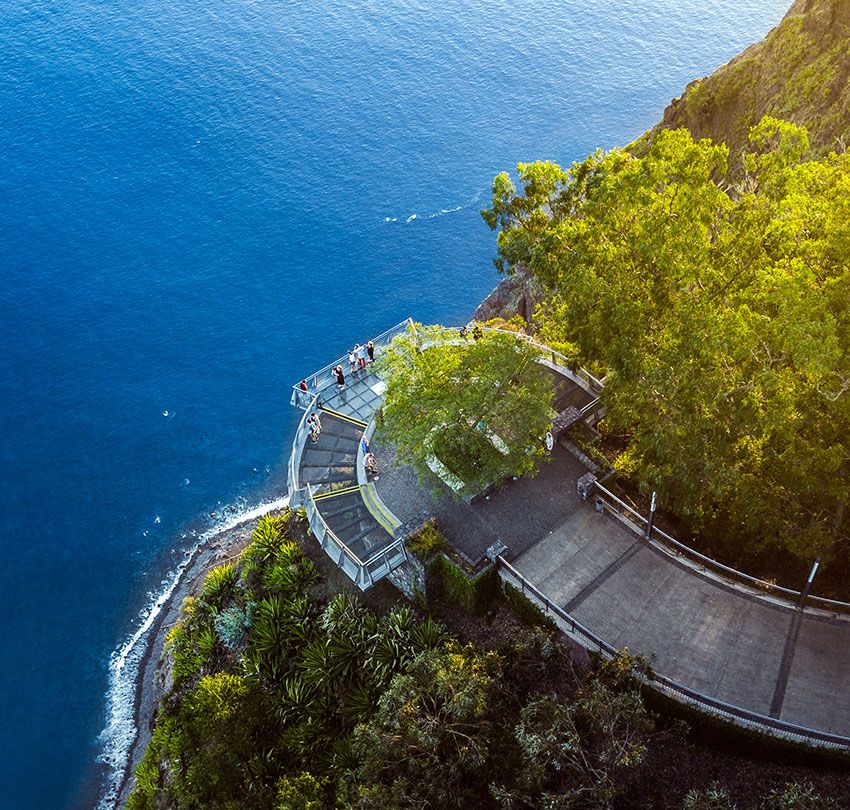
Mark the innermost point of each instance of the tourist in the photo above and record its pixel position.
(317, 425)
(370, 350)
(371, 465)
(364, 444)
(550, 442)
(464, 331)
(476, 332)
(311, 424)
(360, 352)
(303, 385)
(340, 377)
(352, 360)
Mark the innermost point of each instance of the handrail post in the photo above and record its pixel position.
(651, 518)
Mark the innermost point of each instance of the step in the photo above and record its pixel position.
(343, 516)
(340, 427)
(357, 523)
(327, 430)
(314, 476)
(323, 490)
(343, 417)
(313, 456)
(370, 542)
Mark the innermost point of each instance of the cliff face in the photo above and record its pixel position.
(516, 294)
(799, 72)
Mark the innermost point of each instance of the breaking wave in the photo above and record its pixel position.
(117, 738)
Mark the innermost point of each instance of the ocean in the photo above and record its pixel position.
(199, 204)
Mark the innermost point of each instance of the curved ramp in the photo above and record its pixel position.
(348, 528)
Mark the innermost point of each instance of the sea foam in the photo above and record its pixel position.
(117, 738)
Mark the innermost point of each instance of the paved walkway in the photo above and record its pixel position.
(518, 514)
(726, 642)
(732, 644)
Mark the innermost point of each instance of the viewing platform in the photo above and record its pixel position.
(758, 655)
(327, 477)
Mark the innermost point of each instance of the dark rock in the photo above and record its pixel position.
(516, 294)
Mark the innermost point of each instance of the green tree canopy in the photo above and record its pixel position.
(482, 405)
(720, 315)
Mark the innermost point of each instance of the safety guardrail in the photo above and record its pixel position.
(324, 378)
(301, 434)
(638, 523)
(667, 686)
(365, 573)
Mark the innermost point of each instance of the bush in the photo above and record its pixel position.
(527, 611)
(219, 585)
(475, 594)
(232, 624)
(426, 542)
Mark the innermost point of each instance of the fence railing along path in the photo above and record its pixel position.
(367, 571)
(638, 523)
(667, 686)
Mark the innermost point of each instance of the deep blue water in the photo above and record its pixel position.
(202, 201)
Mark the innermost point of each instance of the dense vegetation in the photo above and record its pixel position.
(481, 404)
(283, 700)
(799, 72)
(720, 315)
(287, 696)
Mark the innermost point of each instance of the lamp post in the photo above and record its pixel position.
(651, 518)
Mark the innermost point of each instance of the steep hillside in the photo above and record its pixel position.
(798, 72)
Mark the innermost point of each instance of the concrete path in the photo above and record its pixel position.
(724, 641)
(727, 642)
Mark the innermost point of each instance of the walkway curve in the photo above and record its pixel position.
(755, 658)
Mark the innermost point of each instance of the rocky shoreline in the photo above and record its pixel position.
(516, 294)
(153, 678)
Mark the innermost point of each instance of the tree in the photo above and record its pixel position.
(720, 315)
(582, 752)
(480, 405)
(427, 743)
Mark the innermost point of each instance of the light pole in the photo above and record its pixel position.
(651, 518)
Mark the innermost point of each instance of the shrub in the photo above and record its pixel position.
(232, 624)
(292, 572)
(304, 792)
(796, 796)
(426, 542)
(527, 611)
(475, 594)
(219, 585)
(187, 660)
(713, 797)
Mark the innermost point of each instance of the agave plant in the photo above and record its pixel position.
(266, 538)
(298, 699)
(315, 665)
(219, 585)
(359, 702)
(343, 614)
(269, 636)
(387, 657)
(291, 573)
(398, 623)
(205, 643)
(427, 635)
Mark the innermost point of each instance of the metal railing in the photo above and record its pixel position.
(581, 376)
(364, 573)
(667, 686)
(637, 522)
(324, 378)
(301, 433)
